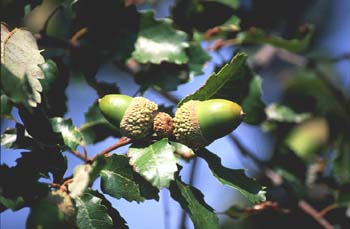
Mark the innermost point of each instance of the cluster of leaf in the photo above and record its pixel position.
(159, 53)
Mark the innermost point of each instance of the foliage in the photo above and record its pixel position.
(38, 63)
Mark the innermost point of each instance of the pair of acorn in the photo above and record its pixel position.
(196, 123)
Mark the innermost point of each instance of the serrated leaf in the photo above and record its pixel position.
(252, 105)
(9, 137)
(281, 113)
(259, 36)
(13, 204)
(6, 107)
(91, 213)
(235, 178)
(96, 128)
(231, 82)
(156, 163)
(197, 58)
(54, 98)
(70, 134)
(192, 201)
(17, 138)
(20, 56)
(119, 181)
(81, 180)
(84, 176)
(118, 221)
(157, 41)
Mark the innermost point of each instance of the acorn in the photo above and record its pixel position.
(163, 125)
(199, 123)
(133, 116)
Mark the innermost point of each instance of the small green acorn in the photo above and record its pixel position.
(199, 123)
(134, 116)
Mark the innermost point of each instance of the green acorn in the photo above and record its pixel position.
(199, 123)
(134, 116)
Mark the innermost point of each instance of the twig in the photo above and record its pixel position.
(85, 152)
(80, 155)
(327, 209)
(307, 208)
(192, 177)
(122, 142)
(81, 32)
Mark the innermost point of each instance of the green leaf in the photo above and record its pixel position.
(92, 214)
(13, 204)
(341, 162)
(235, 82)
(118, 221)
(258, 36)
(70, 134)
(8, 138)
(6, 107)
(231, 3)
(20, 72)
(280, 113)
(157, 41)
(119, 181)
(343, 196)
(163, 77)
(231, 82)
(17, 138)
(197, 58)
(54, 98)
(84, 176)
(156, 163)
(192, 201)
(54, 211)
(252, 105)
(96, 128)
(234, 178)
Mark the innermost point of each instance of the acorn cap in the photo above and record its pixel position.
(198, 123)
(163, 125)
(133, 116)
(137, 121)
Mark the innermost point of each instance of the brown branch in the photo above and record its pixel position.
(122, 142)
(80, 155)
(307, 208)
(80, 33)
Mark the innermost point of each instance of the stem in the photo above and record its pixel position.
(122, 142)
(80, 155)
(192, 177)
(81, 32)
(307, 208)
